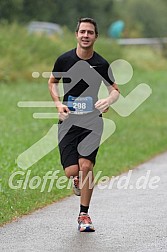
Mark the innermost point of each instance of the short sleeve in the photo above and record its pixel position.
(57, 68)
(107, 74)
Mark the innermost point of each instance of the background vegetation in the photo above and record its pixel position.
(145, 18)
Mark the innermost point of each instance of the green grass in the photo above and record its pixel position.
(137, 138)
(19, 132)
(141, 135)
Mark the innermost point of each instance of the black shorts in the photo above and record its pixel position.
(79, 142)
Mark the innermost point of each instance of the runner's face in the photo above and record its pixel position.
(86, 35)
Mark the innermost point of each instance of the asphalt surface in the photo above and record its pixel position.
(126, 220)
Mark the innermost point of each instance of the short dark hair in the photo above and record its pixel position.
(87, 20)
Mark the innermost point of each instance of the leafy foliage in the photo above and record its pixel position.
(142, 17)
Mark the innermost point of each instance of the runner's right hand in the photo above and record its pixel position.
(63, 111)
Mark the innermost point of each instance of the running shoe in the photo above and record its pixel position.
(76, 189)
(85, 223)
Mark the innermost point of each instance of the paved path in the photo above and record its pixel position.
(126, 220)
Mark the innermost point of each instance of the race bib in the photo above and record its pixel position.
(80, 105)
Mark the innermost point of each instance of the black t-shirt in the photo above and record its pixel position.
(82, 77)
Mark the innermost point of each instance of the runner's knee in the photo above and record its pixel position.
(71, 171)
(85, 166)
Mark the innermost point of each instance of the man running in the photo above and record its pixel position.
(80, 112)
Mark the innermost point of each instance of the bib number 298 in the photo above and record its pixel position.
(79, 105)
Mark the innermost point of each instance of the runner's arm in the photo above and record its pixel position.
(103, 104)
(54, 92)
(113, 93)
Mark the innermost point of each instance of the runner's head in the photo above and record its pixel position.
(86, 34)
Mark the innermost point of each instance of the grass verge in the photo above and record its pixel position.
(137, 138)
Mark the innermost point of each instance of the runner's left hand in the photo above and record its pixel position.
(102, 105)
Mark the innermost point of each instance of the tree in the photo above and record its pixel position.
(142, 17)
(10, 10)
(145, 18)
(62, 12)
